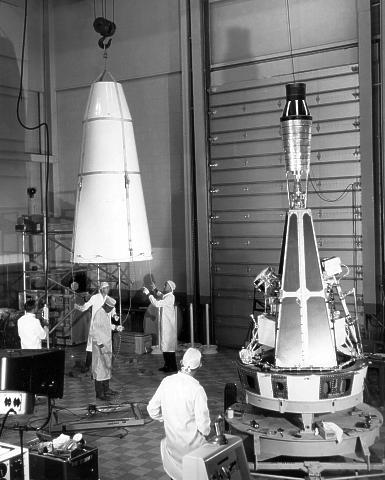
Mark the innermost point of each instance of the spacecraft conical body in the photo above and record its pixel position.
(304, 330)
(110, 217)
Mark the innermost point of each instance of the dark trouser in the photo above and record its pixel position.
(170, 362)
(88, 362)
(102, 388)
(99, 389)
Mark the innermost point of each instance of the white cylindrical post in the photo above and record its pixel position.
(24, 273)
(208, 349)
(207, 318)
(120, 292)
(191, 325)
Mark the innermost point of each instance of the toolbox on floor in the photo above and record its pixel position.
(50, 467)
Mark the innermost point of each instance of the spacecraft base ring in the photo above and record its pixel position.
(274, 435)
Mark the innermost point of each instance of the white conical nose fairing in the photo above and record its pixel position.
(110, 217)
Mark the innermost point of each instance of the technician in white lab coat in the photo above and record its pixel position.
(95, 302)
(100, 333)
(181, 403)
(29, 328)
(168, 327)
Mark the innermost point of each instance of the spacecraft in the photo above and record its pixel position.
(303, 369)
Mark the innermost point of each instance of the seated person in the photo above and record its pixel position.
(180, 402)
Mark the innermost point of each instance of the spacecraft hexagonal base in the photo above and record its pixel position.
(303, 391)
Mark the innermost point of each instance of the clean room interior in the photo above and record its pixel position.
(191, 167)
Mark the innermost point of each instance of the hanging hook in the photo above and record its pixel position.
(103, 44)
(106, 29)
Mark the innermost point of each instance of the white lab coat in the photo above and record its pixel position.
(168, 328)
(96, 302)
(30, 331)
(181, 403)
(100, 333)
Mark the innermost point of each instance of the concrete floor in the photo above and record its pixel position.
(132, 452)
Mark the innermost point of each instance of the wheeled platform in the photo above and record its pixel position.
(95, 417)
(277, 442)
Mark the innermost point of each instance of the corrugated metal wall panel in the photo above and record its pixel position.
(262, 196)
(248, 186)
(325, 243)
(335, 81)
(340, 139)
(344, 155)
(270, 255)
(223, 121)
(335, 226)
(274, 172)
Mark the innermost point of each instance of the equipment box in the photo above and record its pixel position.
(135, 342)
(51, 467)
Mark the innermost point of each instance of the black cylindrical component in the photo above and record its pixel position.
(296, 106)
(295, 91)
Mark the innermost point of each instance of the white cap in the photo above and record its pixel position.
(110, 302)
(104, 285)
(171, 284)
(191, 359)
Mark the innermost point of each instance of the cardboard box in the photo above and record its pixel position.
(135, 342)
(326, 432)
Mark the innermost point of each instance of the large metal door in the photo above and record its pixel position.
(248, 187)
